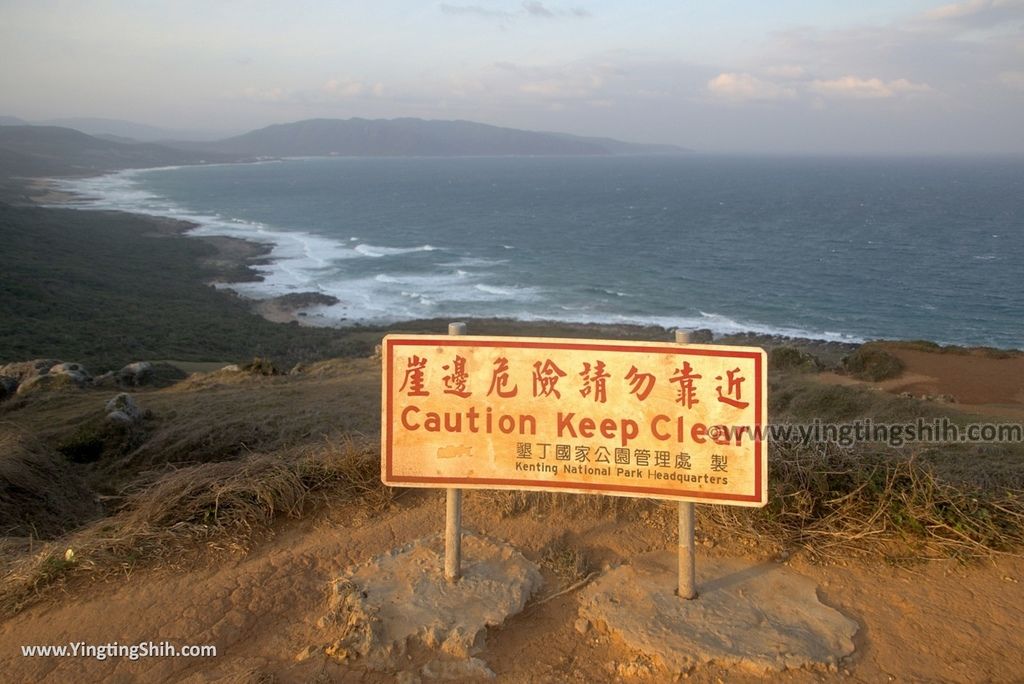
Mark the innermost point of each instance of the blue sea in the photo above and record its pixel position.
(833, 249)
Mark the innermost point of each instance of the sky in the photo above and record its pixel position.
(729, 76)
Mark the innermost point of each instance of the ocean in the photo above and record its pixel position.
(832, 249)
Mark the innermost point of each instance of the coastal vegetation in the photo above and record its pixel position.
(196, 476)
(106, 289)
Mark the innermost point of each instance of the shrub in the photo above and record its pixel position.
(793, 359)
(873, 363)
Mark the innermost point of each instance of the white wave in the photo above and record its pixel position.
(473, 262)
(377, 251)
(464, 286)
(491, 289)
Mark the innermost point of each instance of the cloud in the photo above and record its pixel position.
(578, 81)
(1014, 80)
(537, 9)
(867, 88)
(473, 10)
(977, 12)
(344, 87)
(786, 71)
(744, 87)
(264, 94)
(332, 90)
(564, 86)
(530, 9)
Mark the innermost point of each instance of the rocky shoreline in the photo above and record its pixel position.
(234, 261)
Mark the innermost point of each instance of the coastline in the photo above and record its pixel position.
(235, 261)
(176, 305)
(237, 258)
(225, 439)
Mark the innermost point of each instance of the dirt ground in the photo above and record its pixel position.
(935, 621)
(940, 621)
(980, 384)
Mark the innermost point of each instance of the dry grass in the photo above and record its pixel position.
(832, 501)
(39, 495)
(927, 346)
(566, 560)
(219, 506)
(510, 503)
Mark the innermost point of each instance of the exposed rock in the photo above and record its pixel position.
(141, 374)
(120, 430)
(135, 374)
(29, 376)
(701, 336)
(378, 609)
(761, 618)
(123, 408)
(76, 373)
(23, 370)
(120, 417)
(261, 366)
(8, 386)
(108, 379)
(472, 669)
(47, 381)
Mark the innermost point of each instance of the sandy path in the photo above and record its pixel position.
(934, 622)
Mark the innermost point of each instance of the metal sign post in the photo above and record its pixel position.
(666, 420)
(453, 513)
(687, 587)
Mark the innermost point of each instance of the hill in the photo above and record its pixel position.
(52, 150)
(415, 137)
(118, 128)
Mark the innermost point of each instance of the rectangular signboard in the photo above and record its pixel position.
(644, 419)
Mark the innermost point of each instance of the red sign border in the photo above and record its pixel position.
(391, 342)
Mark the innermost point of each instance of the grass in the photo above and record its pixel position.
(214, 505)
(932, 347)
(39, 495)
(106, 289)
(832, 502)
(944, 501)
(566, 560)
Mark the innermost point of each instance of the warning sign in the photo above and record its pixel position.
(641, 419)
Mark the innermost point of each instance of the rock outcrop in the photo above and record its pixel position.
(29, 376)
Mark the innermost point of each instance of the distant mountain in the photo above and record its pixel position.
(12, 121)
(128, 129)
(618, 147)
(51, 150)
(37, 150)
(414, 137)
